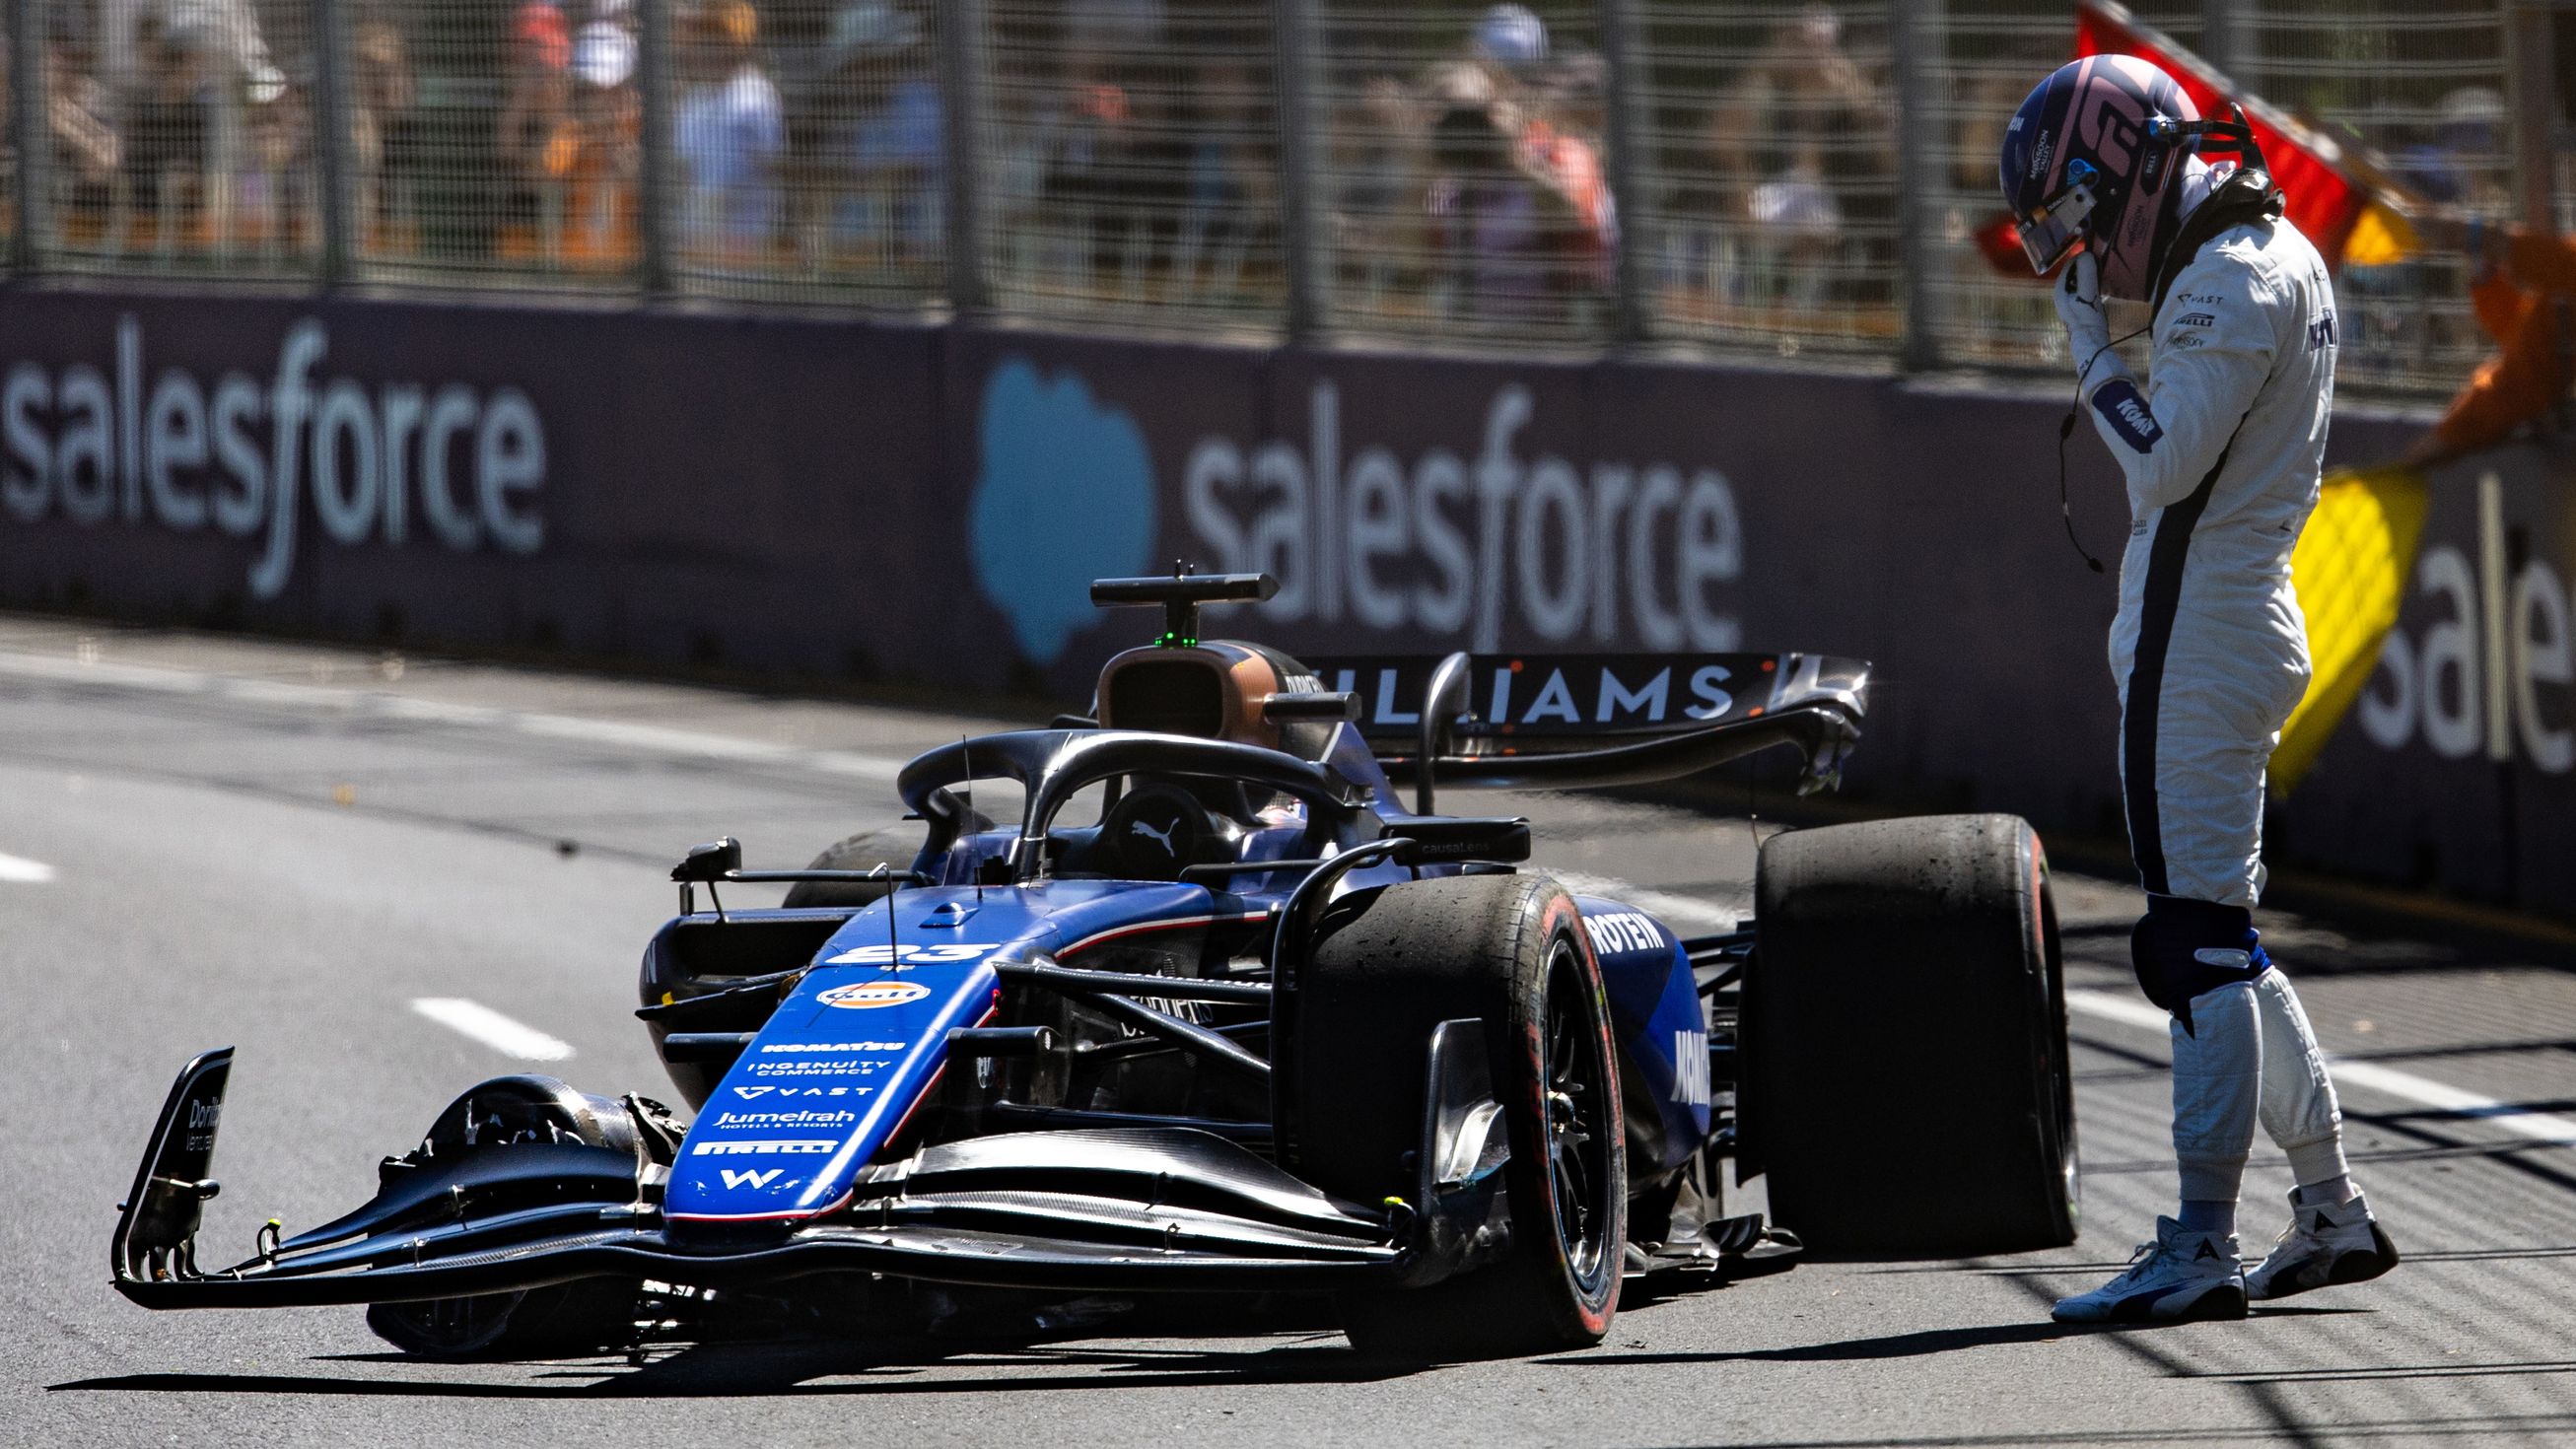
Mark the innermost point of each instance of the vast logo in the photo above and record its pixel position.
(868, 995)
(379, 462)
(1065, 495)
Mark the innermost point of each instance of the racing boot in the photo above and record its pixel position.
(2325, 1244)
(2181, 1275)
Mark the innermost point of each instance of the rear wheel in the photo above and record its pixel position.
(1389, 966)
(563, 1318)
(1904, 1022)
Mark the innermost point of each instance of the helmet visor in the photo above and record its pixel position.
(2049, 233)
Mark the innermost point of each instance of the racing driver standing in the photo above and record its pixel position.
(2221, 451)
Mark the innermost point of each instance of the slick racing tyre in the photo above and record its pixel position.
(858, 852)
(563, 1319)
(1387, 967)
(1904, 1026)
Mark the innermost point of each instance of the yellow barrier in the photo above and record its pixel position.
(2350, 569)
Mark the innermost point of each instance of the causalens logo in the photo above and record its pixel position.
(243, 454)
(1510, 542)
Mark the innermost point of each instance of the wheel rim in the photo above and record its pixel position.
(1575, 1087)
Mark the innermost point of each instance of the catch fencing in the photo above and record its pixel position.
(1768, 178)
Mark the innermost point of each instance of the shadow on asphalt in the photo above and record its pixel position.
(749, 1369)
(1894, 1345)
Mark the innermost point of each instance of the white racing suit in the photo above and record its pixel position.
(2221, 454)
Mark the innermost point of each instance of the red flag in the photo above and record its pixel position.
(2317, 176)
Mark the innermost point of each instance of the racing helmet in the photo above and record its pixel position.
(2095, 156)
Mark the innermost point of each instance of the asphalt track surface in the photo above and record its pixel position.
(206, 841)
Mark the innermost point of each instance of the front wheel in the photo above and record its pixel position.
(1389, 966)
(560, 1319)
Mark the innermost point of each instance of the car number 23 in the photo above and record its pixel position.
(889, 954)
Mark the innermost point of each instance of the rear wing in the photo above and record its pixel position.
(1568, 720)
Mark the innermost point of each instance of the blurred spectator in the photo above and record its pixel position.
(608, 129)
(165, 131)
(88, 155)
(1119, 163)
(891, 144)
(2393, 321)
(1563, 141)
(275, 201)
(1517, 200)
(730, 132)
(1803, 127)
(1510, 41)
(1491, 217)
(535, 138)
(1233, 180)
(189, 70)
(384, 131)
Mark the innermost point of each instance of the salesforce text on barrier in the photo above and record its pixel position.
(183, 455)
(1626, 552)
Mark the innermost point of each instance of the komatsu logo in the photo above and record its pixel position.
(1690, 1068)
(836, 1046)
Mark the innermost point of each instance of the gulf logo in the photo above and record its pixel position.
(866, 995)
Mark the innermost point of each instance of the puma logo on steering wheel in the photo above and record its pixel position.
(1163, 836)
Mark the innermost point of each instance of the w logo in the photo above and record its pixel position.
(736, 1178)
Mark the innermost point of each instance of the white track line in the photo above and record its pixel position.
(510, 1038)
(18, 870)
(2423, 1091)
(378, 704)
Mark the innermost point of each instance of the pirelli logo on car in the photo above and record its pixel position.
(767, 1146)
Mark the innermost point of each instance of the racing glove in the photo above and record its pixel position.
(2079, 307)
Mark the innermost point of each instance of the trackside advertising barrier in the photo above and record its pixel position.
(900, 501)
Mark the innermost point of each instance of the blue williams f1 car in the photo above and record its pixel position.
(1223, 1009)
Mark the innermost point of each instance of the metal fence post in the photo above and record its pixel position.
(1918, 43)
(654, 192)
(1293, 38)
(2226, 36)
(961, 90)
(331, 141)
(35, 148)
(1623, 51)
(2532, 98)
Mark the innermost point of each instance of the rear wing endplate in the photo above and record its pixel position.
(1570, 720)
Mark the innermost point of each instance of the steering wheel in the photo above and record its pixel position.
(1155, 830)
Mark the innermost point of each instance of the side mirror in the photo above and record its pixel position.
(710, 862)
(1452, 838)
